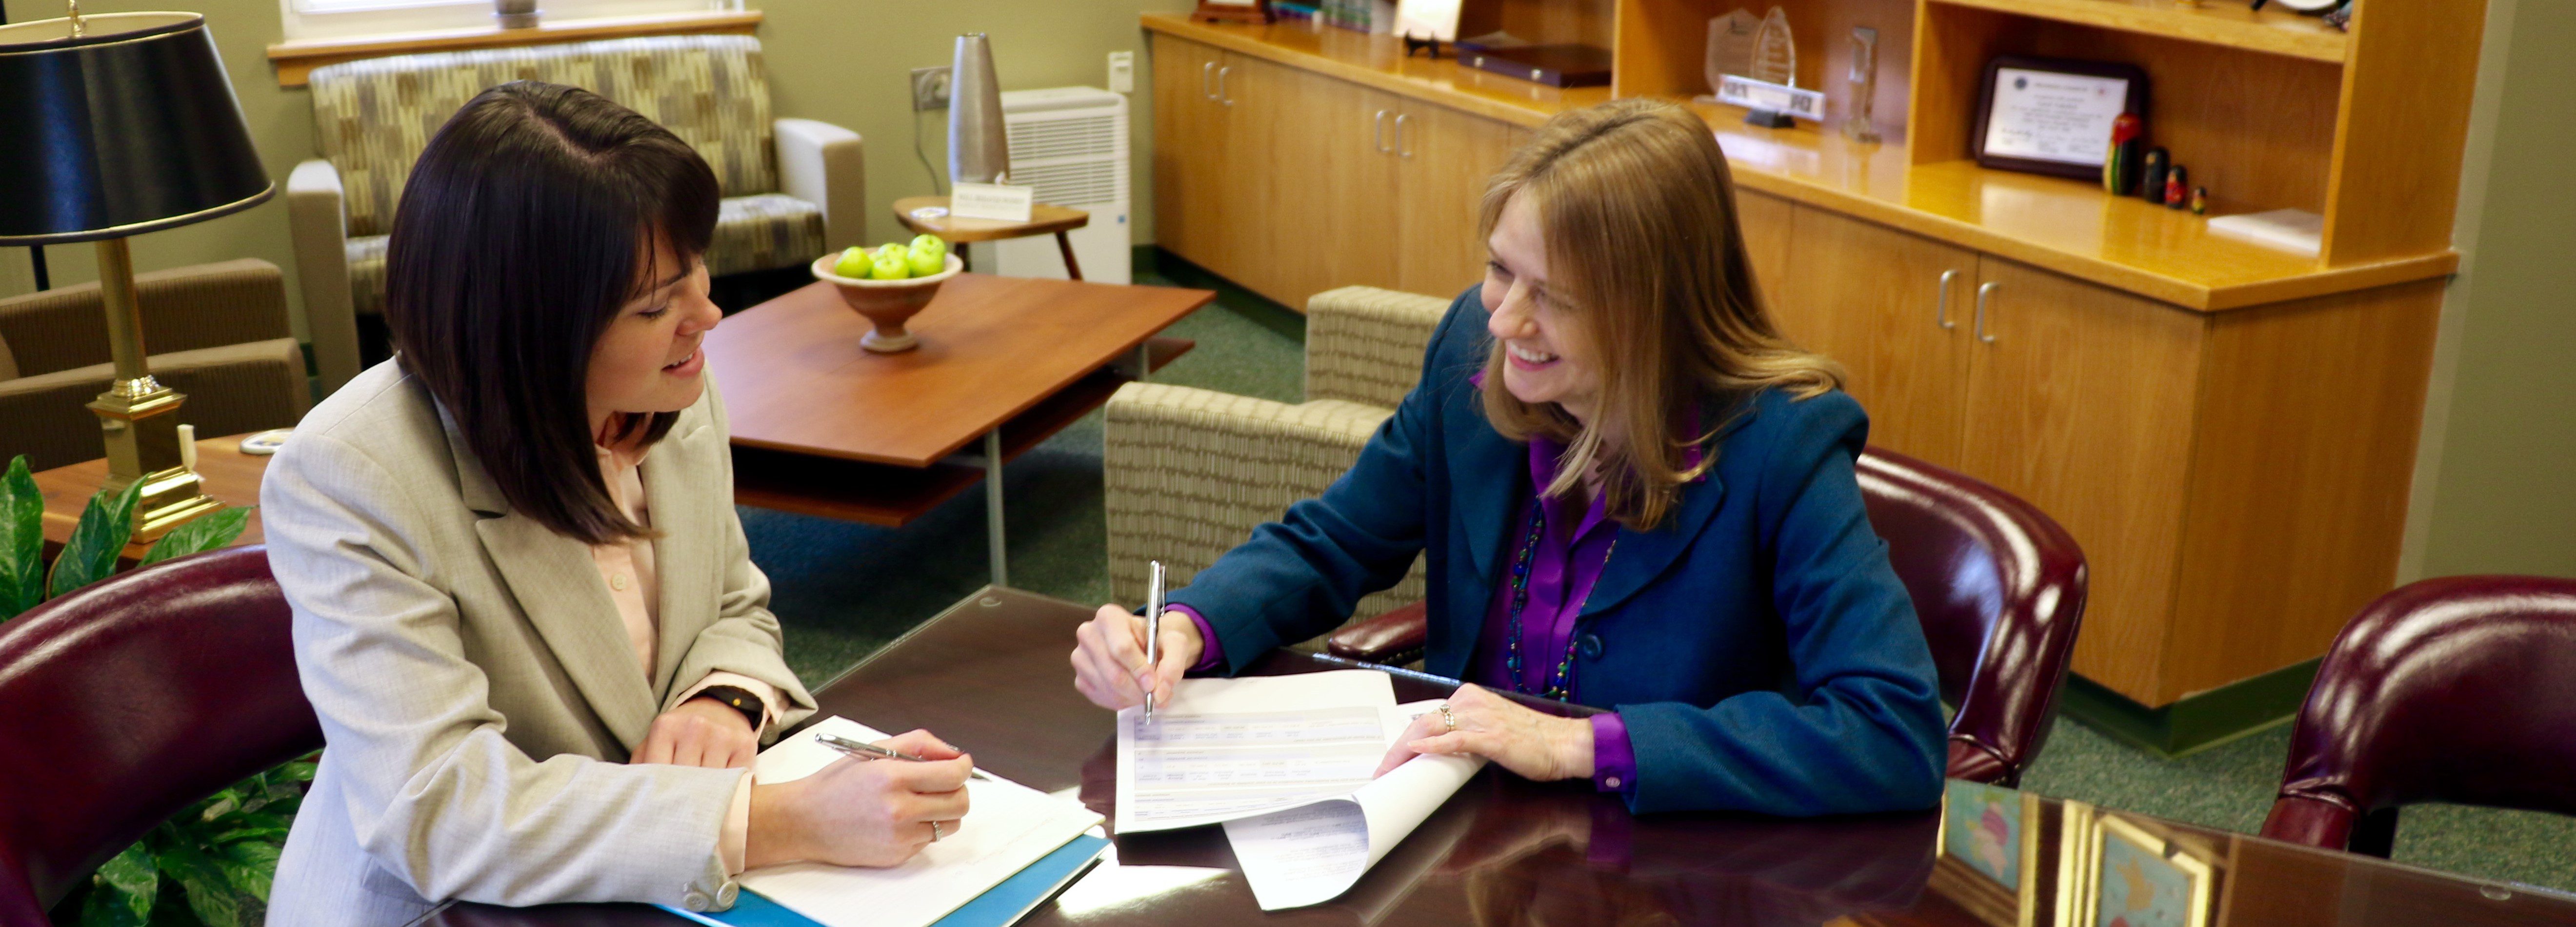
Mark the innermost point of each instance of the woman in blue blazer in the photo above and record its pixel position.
(1633, 493)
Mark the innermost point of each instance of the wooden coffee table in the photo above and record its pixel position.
(822, 427)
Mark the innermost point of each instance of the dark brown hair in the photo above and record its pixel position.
(531, 218)
(1637, 208)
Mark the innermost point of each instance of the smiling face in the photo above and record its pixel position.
(1547, 352)
(650, 359)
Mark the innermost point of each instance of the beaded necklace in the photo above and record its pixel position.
(1559, 683)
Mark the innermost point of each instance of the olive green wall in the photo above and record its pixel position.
(2496, 483)
(841, 61)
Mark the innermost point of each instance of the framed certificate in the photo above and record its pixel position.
(2052, 116)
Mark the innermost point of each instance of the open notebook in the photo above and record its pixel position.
(1017, 848)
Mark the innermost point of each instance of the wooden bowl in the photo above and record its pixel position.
(887, 303)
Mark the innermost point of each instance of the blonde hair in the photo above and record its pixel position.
(1637, 208)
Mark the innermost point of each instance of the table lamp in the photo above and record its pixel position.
(112, 126)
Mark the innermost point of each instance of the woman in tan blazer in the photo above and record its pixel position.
(524, 608)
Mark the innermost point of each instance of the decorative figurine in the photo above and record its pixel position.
(2151, 175)
(2120, 169)
(1864, 86)
(1775, 61)
(1730, 47)
(2177, 195)
(2200, 201)
(1431, 45)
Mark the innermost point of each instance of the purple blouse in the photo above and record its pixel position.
(1567, 562)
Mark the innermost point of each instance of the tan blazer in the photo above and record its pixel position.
(475, 682)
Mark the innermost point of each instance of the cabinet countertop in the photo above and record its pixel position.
(2067, 226)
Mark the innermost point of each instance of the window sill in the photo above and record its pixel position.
(295, 61)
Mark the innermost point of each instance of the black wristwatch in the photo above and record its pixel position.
(736, 698)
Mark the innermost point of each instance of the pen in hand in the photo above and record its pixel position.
(874, 752)
(1153, 627)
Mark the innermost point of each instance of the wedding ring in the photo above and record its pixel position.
(1449, 718)
(934, 832)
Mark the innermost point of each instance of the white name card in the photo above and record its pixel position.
(1735, 90)
(996, 201)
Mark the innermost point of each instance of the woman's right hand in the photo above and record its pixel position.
(1109, 657)
(861, 812)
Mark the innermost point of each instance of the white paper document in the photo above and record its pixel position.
(1284, 762)
(1007, 827)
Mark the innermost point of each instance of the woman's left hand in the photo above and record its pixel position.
(700, 732)
(1539, 747)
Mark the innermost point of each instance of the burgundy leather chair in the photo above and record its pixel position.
(2460, 689)
(1999, 588)
(126, 701)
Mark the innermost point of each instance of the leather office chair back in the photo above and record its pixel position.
(2460, 689)
(2000, 590)
(128, 700)
(1998, 585)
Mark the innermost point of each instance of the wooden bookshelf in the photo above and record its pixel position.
(2226, 428)
(1927, 185)
(2228, 23)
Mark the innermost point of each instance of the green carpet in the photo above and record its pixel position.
(844, 590)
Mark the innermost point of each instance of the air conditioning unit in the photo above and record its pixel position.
(1071, 144)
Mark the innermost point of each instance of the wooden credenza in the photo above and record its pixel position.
(2228, 431)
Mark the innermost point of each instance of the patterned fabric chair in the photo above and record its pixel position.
(1189, 472)
(793, 188)
(220, 334)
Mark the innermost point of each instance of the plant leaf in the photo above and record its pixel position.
(105, 525)
(210, 892)
(121, 894)
(249, 833)
(22, 540)
(211, 531)
(251, 865)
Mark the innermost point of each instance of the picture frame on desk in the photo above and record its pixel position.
(1992, 857)
(2120, 871)
(2052, 115)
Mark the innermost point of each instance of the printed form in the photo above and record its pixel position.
(1285, 763)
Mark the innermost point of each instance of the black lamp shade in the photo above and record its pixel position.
(129, 128)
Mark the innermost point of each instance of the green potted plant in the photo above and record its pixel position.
(212, 863)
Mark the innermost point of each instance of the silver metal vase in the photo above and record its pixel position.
(979, 149)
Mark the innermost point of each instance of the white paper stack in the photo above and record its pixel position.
(1285, 763)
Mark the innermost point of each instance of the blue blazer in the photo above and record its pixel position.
(1757, 645)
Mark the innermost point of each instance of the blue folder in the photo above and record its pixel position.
(998, 906)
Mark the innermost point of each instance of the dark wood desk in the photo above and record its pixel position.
(990, 675)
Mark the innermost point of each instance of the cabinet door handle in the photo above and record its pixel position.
(1206, 68)
(1221, 95)
(1984, 290)
(1941, 308)
(1377, 134)
(1400, 150)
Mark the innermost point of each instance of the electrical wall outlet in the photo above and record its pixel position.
(930, 88)
(1122, 72)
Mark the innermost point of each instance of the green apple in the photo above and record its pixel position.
(854, 263)
(926, 261)
(894, 249)
(888, 267)
(929, 242)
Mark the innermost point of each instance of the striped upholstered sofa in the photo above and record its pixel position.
(1189, 472)
(793, 188)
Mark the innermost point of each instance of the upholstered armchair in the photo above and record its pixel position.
(793, 188)
(220, 334)
(1190, 472)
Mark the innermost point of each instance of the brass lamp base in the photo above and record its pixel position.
(138, 416)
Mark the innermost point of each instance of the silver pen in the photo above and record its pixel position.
(874, 752)
(1153, 626)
